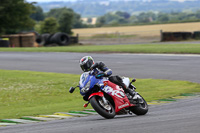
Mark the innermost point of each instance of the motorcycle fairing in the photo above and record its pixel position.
(118, 95)
(84, 79)
(96, 94)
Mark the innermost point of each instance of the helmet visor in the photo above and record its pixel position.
(86, 67)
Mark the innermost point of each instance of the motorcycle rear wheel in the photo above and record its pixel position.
(107, 111)
(141, 108)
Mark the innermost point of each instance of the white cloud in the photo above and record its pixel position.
(102, 0)
(47, 0)
(183, 0)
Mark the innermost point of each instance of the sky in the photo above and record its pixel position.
(47, 0)
(75, 0)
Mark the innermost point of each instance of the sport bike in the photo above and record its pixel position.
(109, 99)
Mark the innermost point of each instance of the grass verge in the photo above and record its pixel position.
(142, 48)
(25, 93)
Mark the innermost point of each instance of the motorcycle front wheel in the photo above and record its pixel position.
(104, 109)
(141, 107)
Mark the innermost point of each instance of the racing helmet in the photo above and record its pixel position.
(86, 62)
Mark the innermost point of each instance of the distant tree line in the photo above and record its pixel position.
(15, 16)
(57, 19)
(92, 8)
(124, 18)
(18, 15)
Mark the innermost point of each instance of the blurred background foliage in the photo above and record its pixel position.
(19, 15)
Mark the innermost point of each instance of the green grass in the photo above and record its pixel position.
(24, 93)
(142, 48)
(31, 93)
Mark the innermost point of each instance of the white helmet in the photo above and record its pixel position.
(86, 62)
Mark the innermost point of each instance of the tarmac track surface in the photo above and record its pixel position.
(177, 117)
(157, 66)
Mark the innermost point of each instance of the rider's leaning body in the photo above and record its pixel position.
(87, 64)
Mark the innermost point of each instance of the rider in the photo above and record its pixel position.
(87, 63)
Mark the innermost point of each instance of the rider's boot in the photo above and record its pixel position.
(131, 92)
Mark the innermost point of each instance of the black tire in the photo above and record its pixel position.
(40, 40)
(46, 38)
(108, 114)
(60, 38)
(43, 39)
(141, 108)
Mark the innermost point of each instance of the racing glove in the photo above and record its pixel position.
(100, 75)
(94, 66)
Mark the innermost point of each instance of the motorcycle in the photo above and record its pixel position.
(109, 99)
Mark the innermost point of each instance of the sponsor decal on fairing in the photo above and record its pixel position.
(124, 105)
(119, 93)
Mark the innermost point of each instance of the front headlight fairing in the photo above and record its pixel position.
(86, 87)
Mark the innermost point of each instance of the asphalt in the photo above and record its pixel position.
(177, 117)
(182, 116)
(157, 66)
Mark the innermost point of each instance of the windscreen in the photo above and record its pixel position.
(83, 78)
